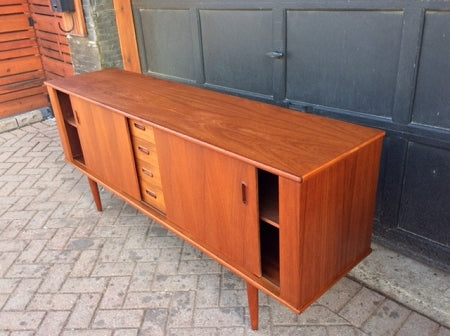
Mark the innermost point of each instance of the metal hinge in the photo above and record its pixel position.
(31, 22)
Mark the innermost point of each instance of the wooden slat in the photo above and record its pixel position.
(59, 68)
(40, 9)
(51, 36)
(11, 2)
(17, 44)
(23, 77)
(15, 53)
(46, 23)
(66, 58)
(63, 48)
(22, 105)
(20, 35)
(22, 93)
(18, 86)
(20, 65)
(39, 2)
(13, 9)
(15, 22)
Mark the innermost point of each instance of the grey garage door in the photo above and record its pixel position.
(384, 64)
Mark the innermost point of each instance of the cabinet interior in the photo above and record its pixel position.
(71, 127)
(269, 225)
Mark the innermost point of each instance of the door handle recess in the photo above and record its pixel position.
(274, 54)
(244, 192)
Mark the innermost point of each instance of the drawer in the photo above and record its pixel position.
(141, 130)
(152, 195)
(145, 151)
(149, 172)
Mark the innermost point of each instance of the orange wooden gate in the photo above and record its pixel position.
(32, 49)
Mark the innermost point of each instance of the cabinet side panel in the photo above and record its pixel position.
(336, 217)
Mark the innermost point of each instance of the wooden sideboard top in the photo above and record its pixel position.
(293, 143)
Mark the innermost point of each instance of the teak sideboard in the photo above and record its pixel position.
(283, 199)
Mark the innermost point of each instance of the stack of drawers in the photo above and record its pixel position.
(144, 148)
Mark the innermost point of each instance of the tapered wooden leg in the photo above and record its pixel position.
(253, 305)
(96, 194)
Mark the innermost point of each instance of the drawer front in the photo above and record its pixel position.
(145, 151)
(149, 172)
(153, 195)
(141, 130)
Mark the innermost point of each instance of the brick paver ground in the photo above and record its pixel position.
(66, 269)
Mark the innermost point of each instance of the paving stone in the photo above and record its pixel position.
(83, 312)
(181, 309)
(174, 282)
(443, 331)
(31, 252)
(60, 238)
(22, 294)
(27, 271)
(20, 320)
(125, 318)
(193, 332)
(58, 301)
(53, 323)
(418, 325)
(199, 266)
(114, 295)
(361, 306)
(338, 295)
(320, 315)
(8, 285)
(298, 330)
(113, 269)
(345, 331)
(126, 332)
(154, 322)
(148, 300)
(85, 264)
(103, 332)
(207, 297)
(84, 285)
(219, 317)
(386, 320)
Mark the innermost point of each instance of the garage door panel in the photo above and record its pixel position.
(344, 59)
(166, 42)
(234, 46)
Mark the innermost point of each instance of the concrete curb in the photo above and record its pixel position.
(17, 121)
(413, 284)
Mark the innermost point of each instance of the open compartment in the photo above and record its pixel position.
(269, 225)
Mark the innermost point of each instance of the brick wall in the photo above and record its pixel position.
(100, 49)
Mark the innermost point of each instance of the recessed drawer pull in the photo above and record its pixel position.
(139, 126)
(147, 172)
(144, 150)
(150, 193)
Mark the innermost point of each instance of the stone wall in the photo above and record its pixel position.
(100, 49)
